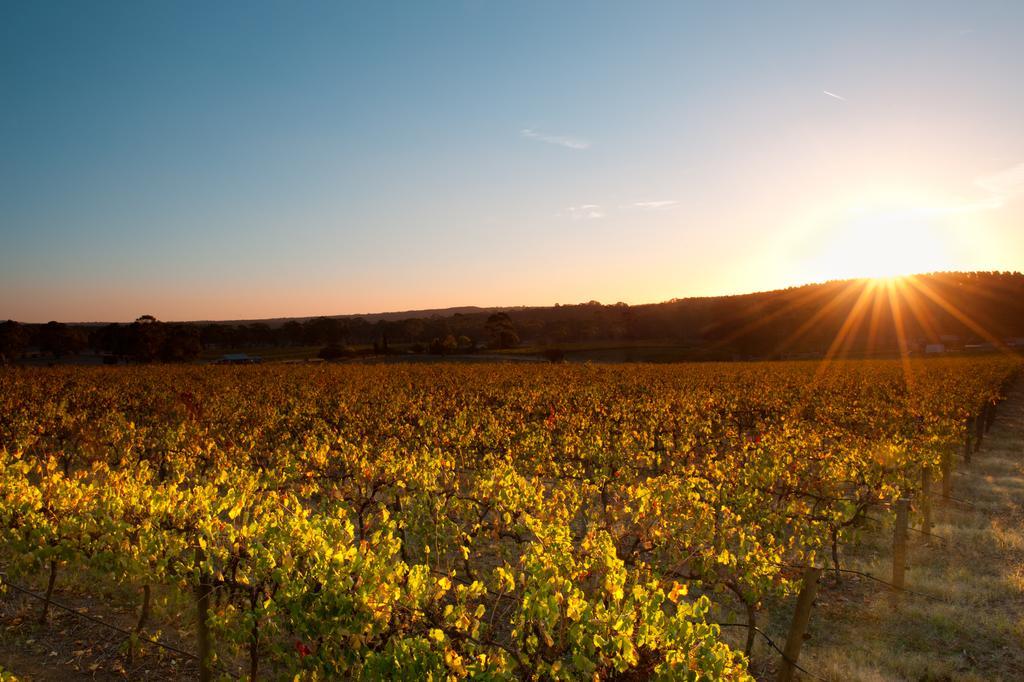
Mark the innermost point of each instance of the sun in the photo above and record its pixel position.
(885, 243)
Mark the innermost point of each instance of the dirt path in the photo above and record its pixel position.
(71, 648)
(970, 626)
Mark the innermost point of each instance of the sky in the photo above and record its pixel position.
(251, 160)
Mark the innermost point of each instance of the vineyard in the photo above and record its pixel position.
(467, 521)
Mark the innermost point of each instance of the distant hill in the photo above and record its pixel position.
(370, 317)
(937, 312)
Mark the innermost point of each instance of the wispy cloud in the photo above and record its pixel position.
(1000, 188)
(654, 204)
(1005, 182)
(832, 94)
(560, 140)
(585, 212)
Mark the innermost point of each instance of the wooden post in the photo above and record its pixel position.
(254, 635)
(748, 648)
(203, 590)
(946, 482)
(798, 627)
(899, 547)
(49, 591)
(143, 617)
(968, 447)
(926, 500)
(202, 594)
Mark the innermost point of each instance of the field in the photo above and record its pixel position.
(448, 521)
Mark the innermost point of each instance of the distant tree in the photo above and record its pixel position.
(59, 339)
(260, 334)
(214, 335)
(145, 338)
(624, 324)
(110, 339)
(449, 345)
(180, 343)
(13, 340)
(236, 336)
(413, 329)
(466, 343)
(291, 332)
(359, 330)
(501, 331)
(325, 330)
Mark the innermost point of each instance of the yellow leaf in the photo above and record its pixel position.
(677, 592)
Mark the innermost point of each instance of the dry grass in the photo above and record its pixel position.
(971, 624)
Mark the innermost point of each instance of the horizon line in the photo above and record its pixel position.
(412, 312)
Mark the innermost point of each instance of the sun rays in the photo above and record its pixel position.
(890, 316)
(901, 296)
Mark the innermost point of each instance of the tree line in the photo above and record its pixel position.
(147, 339)
(951, 308)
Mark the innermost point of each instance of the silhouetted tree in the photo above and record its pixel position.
(214, 335)
(112, 339)
(413, 329)
(325, 330)
(260, 334)
(59, 339)
(180, 343)
(13, 340)
(291, 333)
(501, 331)
(145, 338)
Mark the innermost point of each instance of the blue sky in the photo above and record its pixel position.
(239, 160)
